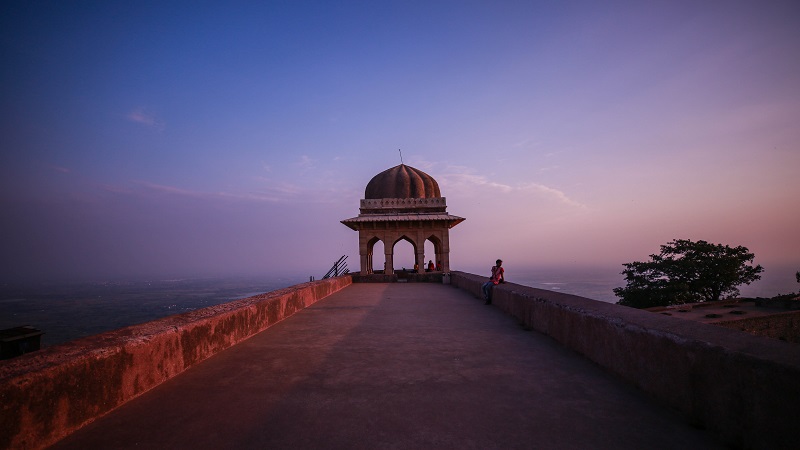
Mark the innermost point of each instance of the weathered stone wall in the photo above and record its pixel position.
(784, 326)
(48, 394)
(744, 388)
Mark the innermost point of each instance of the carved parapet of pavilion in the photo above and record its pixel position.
(402, 205)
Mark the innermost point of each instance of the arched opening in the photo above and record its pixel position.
(404, 254)
(375, 255)
(437, 252)
(430, 254)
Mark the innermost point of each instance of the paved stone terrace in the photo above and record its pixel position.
(403, 365)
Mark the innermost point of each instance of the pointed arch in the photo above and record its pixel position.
(433, 252)
(404, 259)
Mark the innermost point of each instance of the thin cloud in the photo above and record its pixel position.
(172, 189)
(265, 196)
(144, 117)
(548, 169)
(274, 193)
(305, 161)
(465, 177)
(423, 164)
(116, 189)
(456, 179)
(61, 169)
(462, 175)
(552, 192)
(527, 143)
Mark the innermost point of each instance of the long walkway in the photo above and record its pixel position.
(401, 366)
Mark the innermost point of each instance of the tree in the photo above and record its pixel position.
(687, 272)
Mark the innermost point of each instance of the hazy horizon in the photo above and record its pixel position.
(180, 140)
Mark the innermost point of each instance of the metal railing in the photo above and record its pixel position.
(339, 268)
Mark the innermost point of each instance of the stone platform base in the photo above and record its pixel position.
(408, 277)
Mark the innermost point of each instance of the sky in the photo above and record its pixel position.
(159, 139)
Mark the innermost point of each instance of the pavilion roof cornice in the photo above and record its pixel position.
(364, 219)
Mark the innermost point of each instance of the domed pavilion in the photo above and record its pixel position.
(403, 203)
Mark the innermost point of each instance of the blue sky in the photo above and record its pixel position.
(200, 138)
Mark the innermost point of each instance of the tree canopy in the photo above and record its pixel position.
(687, 272)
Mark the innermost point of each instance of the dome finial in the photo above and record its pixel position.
(401, 157)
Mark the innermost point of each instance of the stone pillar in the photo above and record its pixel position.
(421, 259)
(366, 263)
(446, 251)
(388, 265)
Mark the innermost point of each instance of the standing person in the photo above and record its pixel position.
(497, 278)
(430, 266)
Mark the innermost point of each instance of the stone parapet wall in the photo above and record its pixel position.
(743, 388)
(48, 394)
(425, 277)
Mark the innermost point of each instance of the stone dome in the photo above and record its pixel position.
(402, 182)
